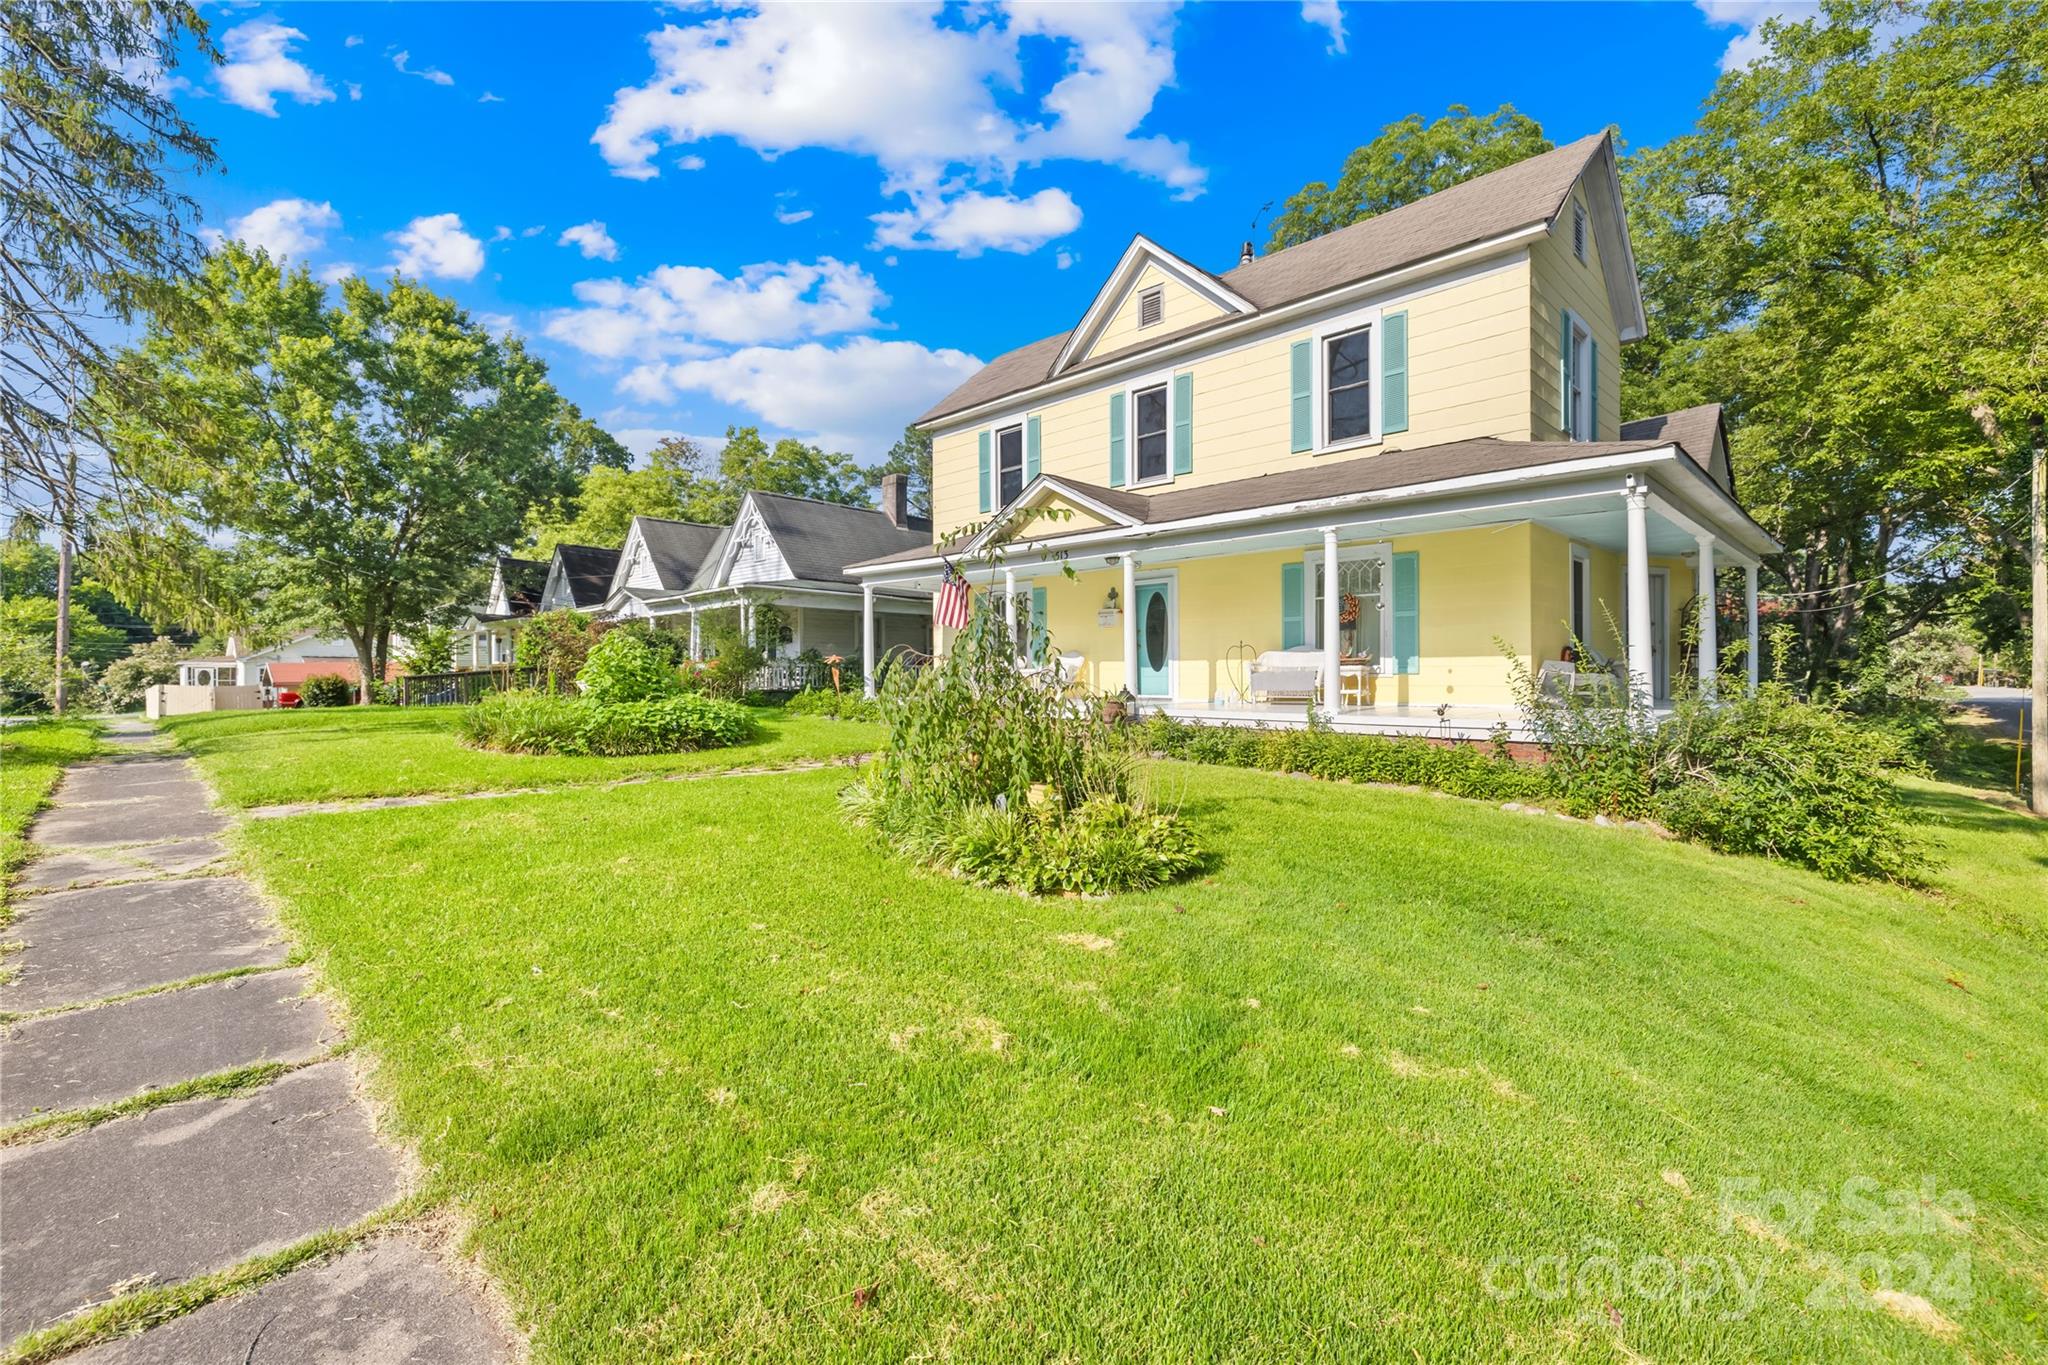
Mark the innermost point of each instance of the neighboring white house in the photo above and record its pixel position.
(244, 680)
(782, 551)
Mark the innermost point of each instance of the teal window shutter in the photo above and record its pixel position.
(1039, 633)
(1564, 372)
(1030, 448)
(1290, 604)
(1300, 396)
(1407, 613)
(987, 500)
(1394, 372)
(1592, 389)
(1116, 440)
(1183, 424)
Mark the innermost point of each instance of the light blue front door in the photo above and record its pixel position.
(1155, 638)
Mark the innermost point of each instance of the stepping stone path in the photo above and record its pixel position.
(129, 901)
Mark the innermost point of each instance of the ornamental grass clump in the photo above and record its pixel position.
(998, 774)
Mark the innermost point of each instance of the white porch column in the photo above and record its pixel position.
(1333, 682)
(1749, 608)
(696, 641)
(1010, 611)
(1710, 629)
(1640, 663)
(1131, 624)
(867, 640)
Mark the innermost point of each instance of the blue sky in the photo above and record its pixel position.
(819, 220)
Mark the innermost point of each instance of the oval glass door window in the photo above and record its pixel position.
(1155, 631)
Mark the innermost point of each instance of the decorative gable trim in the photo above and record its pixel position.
(1143, 252)
(1601, 181)
(749, 530)
(1040, 490)
(555, 594)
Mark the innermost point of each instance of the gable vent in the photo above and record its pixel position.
(1151, 306)
(1578, 232)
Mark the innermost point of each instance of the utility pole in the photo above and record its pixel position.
(2037, 700)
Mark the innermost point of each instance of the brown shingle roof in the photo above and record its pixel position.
(1501, 201)
(1694, 429)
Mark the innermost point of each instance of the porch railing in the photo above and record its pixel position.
(460, 688)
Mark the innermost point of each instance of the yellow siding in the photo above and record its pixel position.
(1560, 280)
(1468, 376)
(1180, 306)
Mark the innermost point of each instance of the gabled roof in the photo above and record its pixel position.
(1143, 252)
(585, 571)
(1528, 194)
(675, 549)
(523, 581)
(819, 539)
(1694, 430)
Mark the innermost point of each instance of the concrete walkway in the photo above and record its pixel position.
(137, 961)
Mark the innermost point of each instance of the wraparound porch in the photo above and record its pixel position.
(1438, 597)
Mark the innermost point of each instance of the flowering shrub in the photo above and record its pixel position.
(546, 723)
(998, 775)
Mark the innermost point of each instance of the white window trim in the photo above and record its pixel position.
(995, 462)
(1329, 328)
(1170, 579)
(1580, 427)
(1579, 555)
(1311, 614)
(1137, 386)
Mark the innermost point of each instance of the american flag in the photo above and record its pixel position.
(949, 603)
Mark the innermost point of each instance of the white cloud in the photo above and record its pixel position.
(284, 227)
(592, 240)
(786, 217)
(425, 73)
(501, 233)
(337, 271)
(436, 245)
(355, 89)
(536, 230)
(641, 441)
(1749, 16)
(908, 86)
(690, 162)
(854, 396)
(353, 40)
(675, 309)
(258, 67)
(1065, 260)
(1325, 14)
(497, 324)
(488, 98)
(972, 222)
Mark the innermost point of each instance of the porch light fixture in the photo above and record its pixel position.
(1109, 603)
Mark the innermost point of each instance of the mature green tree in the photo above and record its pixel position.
(789, 466)
(376, 449)
(910, 456)
(605, 503)
(1841, 251)
(1408, 160)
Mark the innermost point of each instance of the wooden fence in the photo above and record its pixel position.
(460, 689)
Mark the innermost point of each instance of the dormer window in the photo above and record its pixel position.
(1578, 230)
(1152, 306)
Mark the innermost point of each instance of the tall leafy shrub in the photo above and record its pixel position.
(998, 774)
(625, 666)
(554, 645)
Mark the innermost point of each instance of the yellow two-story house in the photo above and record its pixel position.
(1421, 409)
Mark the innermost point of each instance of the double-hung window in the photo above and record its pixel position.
(1579, 376)
(1009, 465)
(1148, 424)
(1347, 386)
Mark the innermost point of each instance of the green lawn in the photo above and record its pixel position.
(32, 758)
(262, 758)
(714, 1080)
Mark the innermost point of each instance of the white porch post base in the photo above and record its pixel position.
(1710, 628)
(1333, 682)
(1749, 607)
(1640, 663)
(1131, 624)
(867, 640)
